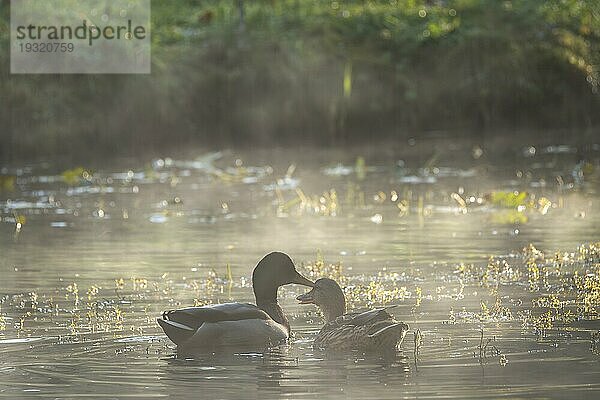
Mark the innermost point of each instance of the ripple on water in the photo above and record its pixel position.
(21, 340)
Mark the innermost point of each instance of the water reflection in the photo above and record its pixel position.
(286, 370)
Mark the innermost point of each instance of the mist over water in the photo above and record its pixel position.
(490, 252)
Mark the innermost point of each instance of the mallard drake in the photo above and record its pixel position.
(367, 330)
(239, 324)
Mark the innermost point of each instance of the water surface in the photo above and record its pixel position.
(91, 256)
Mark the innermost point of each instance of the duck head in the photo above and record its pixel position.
(328, 296)
(272, 271)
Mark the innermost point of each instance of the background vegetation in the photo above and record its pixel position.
(277, 72)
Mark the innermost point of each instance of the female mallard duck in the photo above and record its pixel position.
(239, 324)
(367, 330)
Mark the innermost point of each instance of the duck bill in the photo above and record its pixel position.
(306, 298)
(300, 280)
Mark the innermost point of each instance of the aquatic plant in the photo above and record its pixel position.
(7, 183)
(508, 199)
(320, 269)
(487, 346)
(595, 343)
(75, 176)
(509, 217)
(418, 344)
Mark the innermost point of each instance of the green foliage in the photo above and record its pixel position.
(508, 199)
(332, 70)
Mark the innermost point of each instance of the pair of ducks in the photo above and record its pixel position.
(265, 324)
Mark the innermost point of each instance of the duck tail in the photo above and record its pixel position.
(177, 332)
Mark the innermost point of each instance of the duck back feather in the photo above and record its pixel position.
(221, 324)
(373, 329)
(194, 317)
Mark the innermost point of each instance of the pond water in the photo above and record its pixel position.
(490, 252)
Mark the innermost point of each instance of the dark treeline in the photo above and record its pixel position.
(277, 72)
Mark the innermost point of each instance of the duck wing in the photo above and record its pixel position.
(360, 318)
(194, 317)
(180, 325)
(371, 328)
